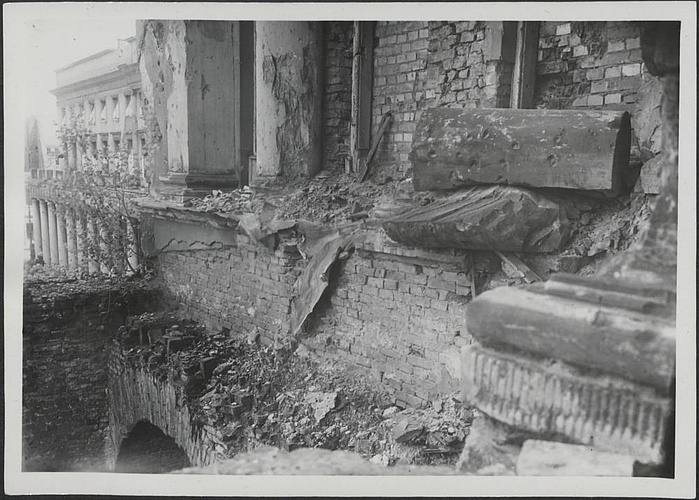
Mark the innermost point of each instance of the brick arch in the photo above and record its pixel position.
(147, 449)
(136, 395)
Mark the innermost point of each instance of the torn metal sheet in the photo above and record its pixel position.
(313, 281)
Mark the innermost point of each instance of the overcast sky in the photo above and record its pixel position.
(52, 44)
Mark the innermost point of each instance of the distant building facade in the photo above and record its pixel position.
(102, 94)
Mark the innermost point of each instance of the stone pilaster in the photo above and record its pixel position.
(36, 228)
(190, 75)
(72, 244)
(289, 99)
(61, 237)
(81, 239)
(45, 244)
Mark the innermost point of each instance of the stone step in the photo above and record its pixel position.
(626, 343)
(554, 399)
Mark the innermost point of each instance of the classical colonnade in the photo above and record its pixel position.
(63, 235)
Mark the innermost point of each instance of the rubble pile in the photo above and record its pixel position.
(610, 227)
(237, 201)
(331, 199)
(251, 396)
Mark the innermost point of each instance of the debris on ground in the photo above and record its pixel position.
(255, 395)
(600, 226)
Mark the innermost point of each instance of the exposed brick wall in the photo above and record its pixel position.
(419, 65)
(397, 312)
(589, 65)
(459, 72)
(64, 390)
(400, 77)
(137, 395)
(239, 288)
(337, 40)
(403, 322)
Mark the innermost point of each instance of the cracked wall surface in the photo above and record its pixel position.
(289, 99)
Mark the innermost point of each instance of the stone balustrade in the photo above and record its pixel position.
(66, 234)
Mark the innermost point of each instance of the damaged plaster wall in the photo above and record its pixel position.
(289, 98)
(192, 96)
(163, 66)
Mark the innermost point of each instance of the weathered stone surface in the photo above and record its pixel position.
(322, 403)
(289, 99)
(649, 179)
(556, 400)
(611, 293)
(453, 148)
(549, 458)
(487, 450)
(190, 76)
(504, 218)
(625, 343)
(306, 461)
(407, 429)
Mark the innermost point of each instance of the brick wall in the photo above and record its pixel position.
(403, 322)
(238, 288)
(399, 313)
(337, 40)
(64, 378)
(460, 73)
(419, 65)
(137, 395)
(589, 65)
(400, 77)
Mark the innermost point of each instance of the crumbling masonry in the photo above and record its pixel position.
(508, 146)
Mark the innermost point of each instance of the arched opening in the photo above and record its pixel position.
(148, 450)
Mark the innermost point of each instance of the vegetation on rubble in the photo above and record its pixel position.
(254, 395)
(101, 190)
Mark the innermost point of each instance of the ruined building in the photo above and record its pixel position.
(446, 206)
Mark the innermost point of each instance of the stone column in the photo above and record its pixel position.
(53, 233)
(190, 74)
(289, 98)
(72, 244)
(92, 241)
(81, 239)
(36, 228)
(61, 237)
(45, 246)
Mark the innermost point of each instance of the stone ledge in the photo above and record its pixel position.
(558, 401)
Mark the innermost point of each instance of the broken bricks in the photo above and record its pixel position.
(407, 430)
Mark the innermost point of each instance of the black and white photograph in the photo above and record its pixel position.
(365, 249)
